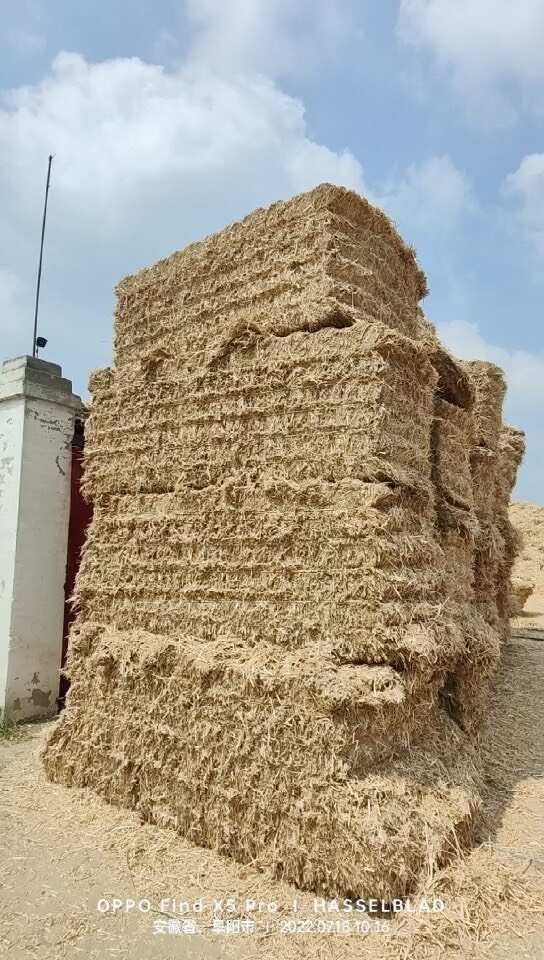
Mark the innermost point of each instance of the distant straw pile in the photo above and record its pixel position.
(278, 652)
(528, 572)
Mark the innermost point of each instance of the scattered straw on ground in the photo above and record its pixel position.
(63, 849)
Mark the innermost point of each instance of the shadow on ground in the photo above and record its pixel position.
(513, 746)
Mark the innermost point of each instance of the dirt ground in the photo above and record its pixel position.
(62, 851)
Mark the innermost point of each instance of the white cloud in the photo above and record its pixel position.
(526, 187)
(274, 37)
(145, 161)
(433, 194)
(490, 49)
(123, 125)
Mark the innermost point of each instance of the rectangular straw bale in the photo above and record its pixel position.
(467, 684)
(490, 554)
(490, 389)
(458, 532)
(511, 449)
(317, 499)
(287, 766)
(483, 467)
(453, 442)
(325, 257)
(340, 403)
(466, 691)
(494, 464)
(285, 563)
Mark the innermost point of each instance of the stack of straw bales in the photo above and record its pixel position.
(496, 455)
(286, 626)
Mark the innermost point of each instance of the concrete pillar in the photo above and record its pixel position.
(37, 413)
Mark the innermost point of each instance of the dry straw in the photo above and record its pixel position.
(293, 589)
(528, 572)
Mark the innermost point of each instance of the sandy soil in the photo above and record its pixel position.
(63, 850)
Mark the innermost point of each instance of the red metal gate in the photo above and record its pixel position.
(80, 517)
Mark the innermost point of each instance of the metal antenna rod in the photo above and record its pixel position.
(34, 347)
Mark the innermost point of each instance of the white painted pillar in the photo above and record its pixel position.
(37, 413)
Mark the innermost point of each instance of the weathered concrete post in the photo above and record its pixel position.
(37, 413)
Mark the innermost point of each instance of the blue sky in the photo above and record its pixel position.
(170, 118)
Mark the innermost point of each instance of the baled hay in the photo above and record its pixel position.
(468, 682)
(324, 257)
(338, 403)
(528, 522)
(468, 686)
(483, 466)
(455, 383)
(453, 443)
(288, 764)
(276, 651)
(511, 451)
(490, 388)
(458, 532)
(494, 460)
(292, 497)
(292, 565)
